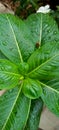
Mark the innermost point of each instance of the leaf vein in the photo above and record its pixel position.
(12, 109)
(43, 64)
(10, 73)
(49, 87)
(15, 39)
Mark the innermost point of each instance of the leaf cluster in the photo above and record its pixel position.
(29, 69)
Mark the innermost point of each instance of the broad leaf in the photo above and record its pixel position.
(46, 63)
(50, 96)
(45, 68)
(43, 28)
(31, 88)
(23, 68)
(2, 56)
(14, 110)
(9, 75)
(34, 116)
(15, 38)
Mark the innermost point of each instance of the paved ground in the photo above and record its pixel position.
(49, 121)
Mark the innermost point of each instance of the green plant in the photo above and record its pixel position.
(29, 70)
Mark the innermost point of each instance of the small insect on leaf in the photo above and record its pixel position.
(37, 45)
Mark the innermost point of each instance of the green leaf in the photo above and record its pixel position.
(9, 75)
(15, 38)
(23, 68)
(43, 28)
(46, 63)
(34, 116)
(45, 68)
(32, 88)
(50, 96)
(14, 110)
(2, 56)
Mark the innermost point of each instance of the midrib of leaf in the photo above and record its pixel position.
(40, 38)
(42, 64)
(15, 39)
(12, 108)
(14, 74)
(49, 87)
(27, 114)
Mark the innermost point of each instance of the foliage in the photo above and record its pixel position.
(55, 15)
(26, 7)
(29, 69)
